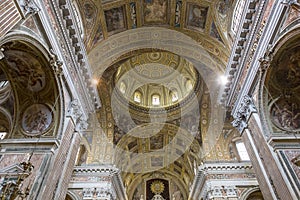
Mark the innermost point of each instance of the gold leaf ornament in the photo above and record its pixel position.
(157, 187)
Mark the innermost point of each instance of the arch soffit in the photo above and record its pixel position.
(108, 52)
(73, 195)
(248, 192)
(44, 50)
(28, 38)
(283, 42)
(291, 35)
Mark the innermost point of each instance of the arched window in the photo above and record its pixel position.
(174, 95)
(237, 15)
(155, 99)
(3, 84)
(81, 155)
(137, 97)
(241, 149)
(122, 87)
(2, 135)
(189, 85)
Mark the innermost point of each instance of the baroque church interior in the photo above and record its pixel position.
(150, 99)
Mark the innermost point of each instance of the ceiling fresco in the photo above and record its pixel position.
(282, 84)
(204, 21)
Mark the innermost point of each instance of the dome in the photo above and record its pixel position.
(155, 79)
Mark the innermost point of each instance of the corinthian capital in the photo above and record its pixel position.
(243, 114)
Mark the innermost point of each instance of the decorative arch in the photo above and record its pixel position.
(144, 38)
(247, 194)
(137, 96)
(156, 99)
(280, 105)
(125, 44)
(71, 196)
(31, 72)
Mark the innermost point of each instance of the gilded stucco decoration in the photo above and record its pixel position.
(103, 19)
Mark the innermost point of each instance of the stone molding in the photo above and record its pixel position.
(206, 187)
(76, 48)
(240, 46)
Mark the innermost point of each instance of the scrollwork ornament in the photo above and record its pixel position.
(55, 63)
(28, 7)
(266, 59)
(243, 114)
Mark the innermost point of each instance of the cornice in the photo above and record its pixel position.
(103, 169)
(200, 187)
(240, 49)
(115, 190)
(76, 49)
(235, 94)
(26, 145)
(227, 168)
(284, 142)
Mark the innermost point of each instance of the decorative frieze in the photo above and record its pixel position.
(98, 193)
(101, 182)
(222, 180)
(243, 114)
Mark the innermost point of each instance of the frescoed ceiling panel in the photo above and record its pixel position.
(204, 21)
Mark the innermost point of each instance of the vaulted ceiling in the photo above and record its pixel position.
(145, 46)
(206, 22)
